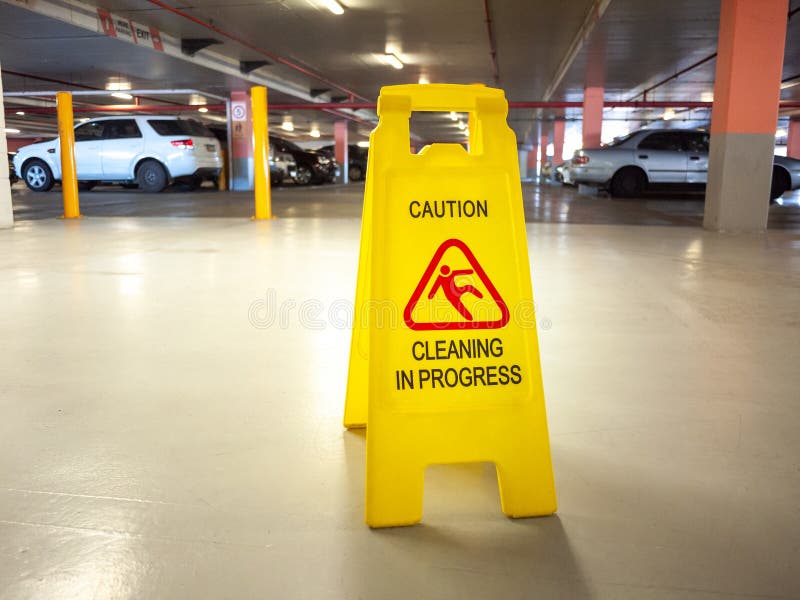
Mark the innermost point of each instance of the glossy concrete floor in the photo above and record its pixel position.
(548, 203)
(171, 420)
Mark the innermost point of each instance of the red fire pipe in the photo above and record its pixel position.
(529, 105)
(693, 66)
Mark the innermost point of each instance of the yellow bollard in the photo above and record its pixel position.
(258, 98)
(222, 178)
(66, 134)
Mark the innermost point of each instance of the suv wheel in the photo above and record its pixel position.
(304, 175)
(151, 176)
(38, 176)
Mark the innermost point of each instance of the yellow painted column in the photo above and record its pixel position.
(222, 178)
(258, 98)
(66, 134)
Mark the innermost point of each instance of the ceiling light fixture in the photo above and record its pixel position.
(668, 114)
(20, 113)
(122, 96)
(314, 131)
(287, 124)
(117, 84)
(453, 116)
(202, 109)
(462, 126)
(333, 6)
(423, 79)
(393, 60)
(11, 130)
(363, 144)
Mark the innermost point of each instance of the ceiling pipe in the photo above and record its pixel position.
(139, 93)
(254, 48)
(124, 108)
(492, 44)
(530, 105)
(132, 108)
(691, 67)
(61, 82)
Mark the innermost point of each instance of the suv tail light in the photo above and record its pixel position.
(580, 159)
(184, 144)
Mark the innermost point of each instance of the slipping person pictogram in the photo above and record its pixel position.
(452, 291)
(441, 275)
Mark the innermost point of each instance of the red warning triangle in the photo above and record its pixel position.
(455, 294)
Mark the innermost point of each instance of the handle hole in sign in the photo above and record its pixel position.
(434, 127)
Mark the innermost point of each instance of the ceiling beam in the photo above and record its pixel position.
(594, 15)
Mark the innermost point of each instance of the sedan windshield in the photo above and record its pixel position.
(291, 146)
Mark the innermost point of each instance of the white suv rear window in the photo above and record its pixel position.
(189, 127)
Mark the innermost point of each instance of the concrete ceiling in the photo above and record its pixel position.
(633, 46)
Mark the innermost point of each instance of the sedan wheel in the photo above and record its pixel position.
(780, 183)
(629, 182)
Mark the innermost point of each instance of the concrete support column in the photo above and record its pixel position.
(746, 93)
(592, 116)
(241, 176)
(341, 150)
(544, 140)
(6, 210)
(793, 138)
(533, 161)
(523, 163)
(558, 142)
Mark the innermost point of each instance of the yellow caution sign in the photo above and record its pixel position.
(444, 361)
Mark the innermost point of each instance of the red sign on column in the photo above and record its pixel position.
(107, 22)
(155, 36)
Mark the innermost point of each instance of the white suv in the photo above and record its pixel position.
(148, 151)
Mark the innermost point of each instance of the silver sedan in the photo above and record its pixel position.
(659, 156)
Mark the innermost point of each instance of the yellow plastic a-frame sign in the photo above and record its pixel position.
(444, 363)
